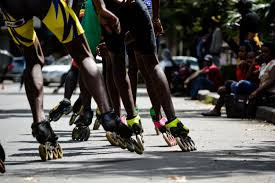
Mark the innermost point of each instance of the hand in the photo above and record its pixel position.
(102, 50)
(109, 21)
(157, 27)
(253, 95)
(186, 82)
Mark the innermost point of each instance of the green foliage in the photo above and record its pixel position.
(193, 17)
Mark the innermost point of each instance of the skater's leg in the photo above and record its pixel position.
(133, 71)
(160, 83)
(34, 80)
(71, 82)
(112, 89)
(122, 82)
(79, 50)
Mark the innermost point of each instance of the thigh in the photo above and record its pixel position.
(62, 21)
(21, 29)
(140, 25)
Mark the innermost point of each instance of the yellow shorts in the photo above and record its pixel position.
(60, 20)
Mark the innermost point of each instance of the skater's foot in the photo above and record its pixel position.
(135, 124)
(213, 112)
(43, 132)
(177, 128)
(64, 107)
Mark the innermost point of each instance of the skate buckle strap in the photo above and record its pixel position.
(66, 100)
(174, 123)
(157, 124)
(133, 121)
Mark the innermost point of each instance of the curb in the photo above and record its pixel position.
(263, 112)
(266, 113)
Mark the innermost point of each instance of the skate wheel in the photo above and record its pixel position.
(76, 134)
(140, 142)
(72, 119)
(157, 131)
(121, 142)
(186, 144)
(130, 144)
(43, 152)
(50, 154)
(55, 153)
(2, 167)
(137, 147)
(60, 151)
(87, 133)
(96, 124)
(112, 139)
(169, 139)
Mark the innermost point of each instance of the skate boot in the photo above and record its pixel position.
(49, 147)
(180, 132)
(118, 133)
(136, 126)
(97, 121)
(167, 136)
(64, 107)
(82, 131)
(2, 160)
(77, 109)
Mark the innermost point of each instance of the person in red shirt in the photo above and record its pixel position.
(209, 77)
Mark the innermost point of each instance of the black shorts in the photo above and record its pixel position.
(136, 19)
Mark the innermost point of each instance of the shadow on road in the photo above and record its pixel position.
(194, 165)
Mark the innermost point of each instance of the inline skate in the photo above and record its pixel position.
(63, 108)
(97, 121)
(180, 132)
(82, 131)
(159, 123)
(77, 109)
(49, 148)
(118, 133)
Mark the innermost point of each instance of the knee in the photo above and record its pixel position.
(221, 90)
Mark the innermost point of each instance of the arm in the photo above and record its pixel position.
(155, 19)
(265, 86)
(193, 76)
(107, 19)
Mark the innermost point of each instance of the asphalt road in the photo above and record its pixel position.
(229, 150)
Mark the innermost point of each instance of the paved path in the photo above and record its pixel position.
(229, 150)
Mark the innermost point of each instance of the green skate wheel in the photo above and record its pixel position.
(76, 134)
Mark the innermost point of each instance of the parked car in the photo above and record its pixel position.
(55, 72)
(16, 69)
(183, 60)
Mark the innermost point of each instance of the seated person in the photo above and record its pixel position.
(249, 71)
(267, 74)
(209, 77)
